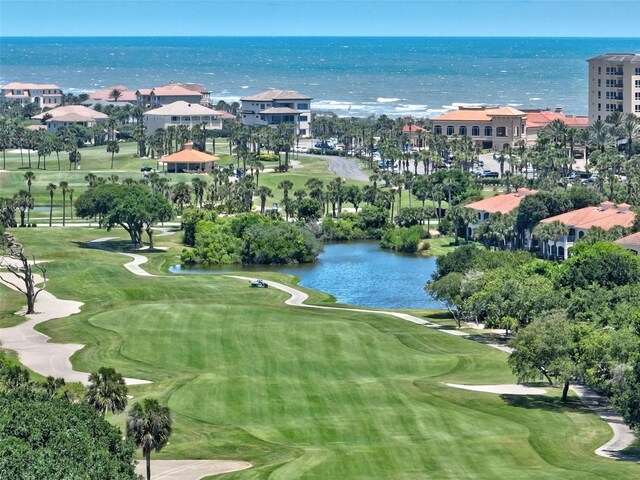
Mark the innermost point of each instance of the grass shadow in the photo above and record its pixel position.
(548, 403)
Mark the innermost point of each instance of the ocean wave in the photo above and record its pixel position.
(387, 100)
(411, 108)
(535, 99)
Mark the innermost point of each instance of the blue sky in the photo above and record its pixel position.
(536, 18)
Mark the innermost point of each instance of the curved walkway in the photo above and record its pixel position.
(505, 389)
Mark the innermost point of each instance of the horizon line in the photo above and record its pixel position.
(318, 36)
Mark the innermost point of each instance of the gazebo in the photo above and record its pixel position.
(187, 160)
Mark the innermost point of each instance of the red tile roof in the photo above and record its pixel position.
(605, 216)
(189, 156)
(478, 114)
(413, 128)
(545, 117)
(501, 203)
(172, 90)
(72, 109)
(633, 239)
(30, 86)
(104, 94)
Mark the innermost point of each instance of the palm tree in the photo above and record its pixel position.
(285, 186)
(113, 148)
(264, 192)
(91, 178)
(107, 391)
(51, 188)
(64, 186)
(71, 203)
(149, 426)
(29, 177)
(115, 94)
(543, 233)
(199, 186)
(630, 128)
(23, 202)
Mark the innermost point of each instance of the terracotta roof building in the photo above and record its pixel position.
(538, 119)
(44, 94)
(71, 114)
(504, 204)
(126, 95)
(630, 242)
(187, 160)
(274, 107)
(167, 94)
(490, 127)
(416, 135)
(606, 216)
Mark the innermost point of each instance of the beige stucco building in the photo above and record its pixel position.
(45, 95)
(490, 127)
(614, 85)
(183, 113)
(274, 107)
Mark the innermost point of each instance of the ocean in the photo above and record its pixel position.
(357, 76)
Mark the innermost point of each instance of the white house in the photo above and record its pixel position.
(274, 107)
(69, 115)
(183, 113)
(45, 95)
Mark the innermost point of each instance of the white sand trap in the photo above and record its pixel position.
(189, 469)
(506, 389)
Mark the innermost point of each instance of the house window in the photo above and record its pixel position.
(174, 119)
(462, 130)
(501, 132)
(437, 130)
(637, 70)
(303, 131)
(186, 119)
(303, 118)
(599, 108)
(488, 131)
(599, 70)
(599, 94)
(637, 108)
(637, 95)
(475, 131)
(450, 129)
(303, 106)
(262, 106)
(517, 131)
(637, 83)
(599, 82)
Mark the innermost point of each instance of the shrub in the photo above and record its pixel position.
(402, 239)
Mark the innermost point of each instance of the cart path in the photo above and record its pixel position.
(189, 469)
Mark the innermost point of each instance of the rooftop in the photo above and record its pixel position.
(633, 239)
(478, 114)
(104, 94)
(413, 128)
(542, 118)
(71, 109)
(189, 156)
(174, 90)
(605, 216)
(501, 203)
(272, 95)
(617, 58)
(184, 108)
(71, 118)
(30, 86)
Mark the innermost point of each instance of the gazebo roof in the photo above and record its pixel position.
(189, 156)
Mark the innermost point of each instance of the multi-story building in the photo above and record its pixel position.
(274, 107)
(183, 113)
(70, 115)
(578, 222)
(503, 204)
(489, 127)
(538, 119)
(45, 95)
(167, 94)
(614, 85)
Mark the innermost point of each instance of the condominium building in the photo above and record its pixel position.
(183, 113)
(274, 107)
(489, 127)
(44, 95)
(614, 85)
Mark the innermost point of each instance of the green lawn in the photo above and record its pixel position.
(10, 302)
(305, 393)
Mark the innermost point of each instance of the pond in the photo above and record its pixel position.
(356, 273)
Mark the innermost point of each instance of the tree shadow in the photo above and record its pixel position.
(544, 402)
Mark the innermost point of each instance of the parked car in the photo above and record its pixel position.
(146, 169)
(258, 283)
(489, 174)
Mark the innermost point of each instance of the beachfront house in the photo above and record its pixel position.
(187, 160)
(274, 107)
(538, 119)
(488, 127)
(44, 95)
(578, 222)
(170, 93)
(503, 204)
(70, 115)
(183, 113)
